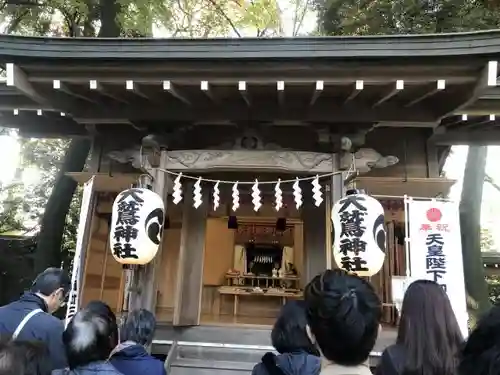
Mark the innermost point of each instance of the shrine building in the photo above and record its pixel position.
(377, 113)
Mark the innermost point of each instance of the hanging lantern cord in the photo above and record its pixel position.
(309, 178)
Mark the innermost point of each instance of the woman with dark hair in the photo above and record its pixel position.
(102, 309)
(481, 354)
(297, 355)
(343, 316)
(24, 358)
(429, 337)
(136, 335)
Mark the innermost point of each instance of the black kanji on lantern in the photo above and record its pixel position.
(354, 245)
(352, 216)
(125, 251)
(352, 223)
(132, 193)
(354, 200)
(354, 264)
(125, 232)
(127, 212)
(435, 260)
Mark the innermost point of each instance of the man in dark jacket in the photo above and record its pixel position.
(30, 318)
(88, 340)
(136, 334)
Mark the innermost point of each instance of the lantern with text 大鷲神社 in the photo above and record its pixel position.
(136, 226)
(359, 234)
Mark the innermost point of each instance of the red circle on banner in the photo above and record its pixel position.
(434, 214)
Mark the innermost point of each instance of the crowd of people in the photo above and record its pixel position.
(331, 332)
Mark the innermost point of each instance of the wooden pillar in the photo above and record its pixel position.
(337, 192)
(314, 240)
(190, 262)
(145, 290)
(432, 159)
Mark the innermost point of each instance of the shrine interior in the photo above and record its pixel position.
(381, 110)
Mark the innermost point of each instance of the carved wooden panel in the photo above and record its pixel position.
(264, 233)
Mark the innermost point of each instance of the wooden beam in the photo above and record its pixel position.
(205, 88)
(131, 86)
(58, 85)
(472, 138)
(18, 79)
(291, 71)
(237, 111)
(357, 89)
(487, 78)
(317, 92)
(280, 87)
(170, 88)
(34, 126)
(242, 88)
(94, 85)
(398, 87)
(441, 85)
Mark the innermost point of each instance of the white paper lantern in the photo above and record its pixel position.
(136, 226)
(359, 234)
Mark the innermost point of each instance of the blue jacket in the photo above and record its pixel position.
(41, 327)
(94, 368)
(133, 359)
(290, 363)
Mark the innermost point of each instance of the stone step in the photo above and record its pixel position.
(246, 355)
(184, 366)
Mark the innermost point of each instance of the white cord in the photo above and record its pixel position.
(310, 178)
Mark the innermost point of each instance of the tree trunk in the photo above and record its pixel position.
(470, 223)
(48, 250)
(110, 27)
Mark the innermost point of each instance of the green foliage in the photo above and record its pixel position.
(487, 241)
(11, 199)
(23, 204)
(370, 17)
(493, 288)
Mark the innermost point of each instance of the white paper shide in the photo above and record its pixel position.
(436, 250)
(136, 226)
(360, 237)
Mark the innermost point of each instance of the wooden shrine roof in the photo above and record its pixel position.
(445, 83)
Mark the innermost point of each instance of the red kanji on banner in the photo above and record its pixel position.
(425, 228)
(434, 214)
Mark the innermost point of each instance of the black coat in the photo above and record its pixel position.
(41, 327)
(392, 361)
(289, 364)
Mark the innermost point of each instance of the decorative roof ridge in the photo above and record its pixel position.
(333, 47)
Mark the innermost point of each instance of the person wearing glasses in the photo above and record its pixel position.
(30, 318)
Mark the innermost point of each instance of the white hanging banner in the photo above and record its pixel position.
(436, 250)
(82, 241)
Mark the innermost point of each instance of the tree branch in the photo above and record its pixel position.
(488, 179)
(228, 19)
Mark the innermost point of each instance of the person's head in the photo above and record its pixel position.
(429, 330)
(343, 316)
(102, 309)
(53, 286)
(88, 338)
(481, 353)
(24, 358)
(139, 326)
(289, 334)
